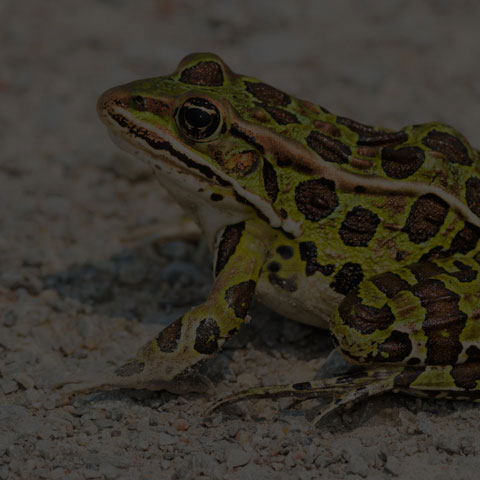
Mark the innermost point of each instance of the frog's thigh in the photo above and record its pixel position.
(441, 381)
(420, 314)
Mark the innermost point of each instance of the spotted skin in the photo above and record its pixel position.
(230, 239)
(323, 217)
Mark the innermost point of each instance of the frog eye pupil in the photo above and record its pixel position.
(198, 119)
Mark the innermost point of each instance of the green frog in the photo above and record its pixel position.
(368, 232)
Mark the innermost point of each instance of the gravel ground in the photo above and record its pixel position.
(85, 280)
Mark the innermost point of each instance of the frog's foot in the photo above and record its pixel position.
(346, 389)
(133, 376)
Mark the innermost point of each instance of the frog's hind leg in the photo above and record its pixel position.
(345, 389)
(461, 382)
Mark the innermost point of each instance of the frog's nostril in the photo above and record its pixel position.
(139, 102)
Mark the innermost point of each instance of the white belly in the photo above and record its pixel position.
(312, 303)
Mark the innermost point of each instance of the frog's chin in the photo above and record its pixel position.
(210, 205)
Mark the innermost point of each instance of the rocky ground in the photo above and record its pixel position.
(96, 258)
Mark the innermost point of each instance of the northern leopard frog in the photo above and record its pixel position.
(369, 232)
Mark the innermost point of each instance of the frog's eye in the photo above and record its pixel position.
(199, 120)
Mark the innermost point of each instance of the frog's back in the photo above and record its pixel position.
(430, 154)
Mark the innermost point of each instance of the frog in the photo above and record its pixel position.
(368, 232)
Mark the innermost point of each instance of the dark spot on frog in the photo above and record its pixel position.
(270, 180)
(327, 128)
(131, 368)
(239, 297)
(394, 349)
(466, 375)
(309, 254)
(316, 199)
(359, 227)
(281, 116)
(390, 283)
(465, 240)
(434, 254)
(167, 339)
(465, 272)
(329, 149)
(285, 251)
(359, 189)
(473, 353)
(302, 386)
(425, 219)
(347, 278)
(407, 376)
(473, 195)
(287, 284)
(372, 136)
(283, 160)
(355, 126)
(424, 270)
(380, 138)
(364, 318)
(444, 321)
(402, 162)
(206, 336)
(449, 145)
(207, 74)
(283, 213)
(274, 267)
(230, 239)
(267, 94)
(139, 103)
(413, 361)
(216, 197)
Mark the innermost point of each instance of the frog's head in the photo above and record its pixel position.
(212, 137)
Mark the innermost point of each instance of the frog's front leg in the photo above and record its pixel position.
(200, 333)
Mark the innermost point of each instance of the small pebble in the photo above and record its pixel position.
(165, 439)
(25, 380)
(277, 466)
(393, 465)
(181, 425)
(236, 457)
(8, 386)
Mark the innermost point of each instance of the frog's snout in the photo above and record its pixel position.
(116, 96)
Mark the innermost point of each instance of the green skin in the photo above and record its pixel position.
(322, 218)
